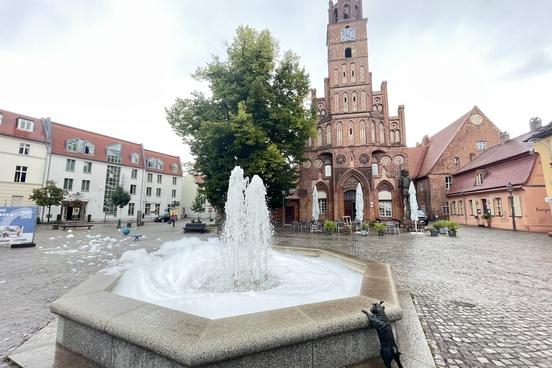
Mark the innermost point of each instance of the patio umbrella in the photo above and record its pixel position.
(315, 207)
(413, 204)
(359, 204)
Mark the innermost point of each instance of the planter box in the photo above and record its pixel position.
(434, 232)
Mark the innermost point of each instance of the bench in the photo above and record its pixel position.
(195, 228)
(136, 236)
(74, 226)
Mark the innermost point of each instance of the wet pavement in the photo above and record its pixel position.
(483, 298)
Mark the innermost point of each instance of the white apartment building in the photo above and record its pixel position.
(23, 152)
(189, 192)
(88, 166)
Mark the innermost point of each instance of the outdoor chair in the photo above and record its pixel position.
(392, 227)
(316, 227)
(304, 226)
(296, 226)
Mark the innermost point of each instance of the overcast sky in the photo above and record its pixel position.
(113, 66)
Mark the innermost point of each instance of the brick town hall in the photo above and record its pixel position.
(360, 140)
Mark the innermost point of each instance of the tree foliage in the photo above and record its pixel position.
(120, 197)
(199, 203)
(48, 196)
(255, 118)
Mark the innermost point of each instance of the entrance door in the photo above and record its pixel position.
(350, 205)
(290, 215)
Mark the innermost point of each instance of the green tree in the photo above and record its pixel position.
(120, 198)
(256, 117)
(48, 196)
(199, 203)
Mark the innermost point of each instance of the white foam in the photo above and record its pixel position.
(190, 275)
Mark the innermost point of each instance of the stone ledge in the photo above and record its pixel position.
(193, 341)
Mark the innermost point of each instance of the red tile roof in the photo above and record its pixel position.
(439, 142)
(497, 176)
(8, 127)
(62, 133)
(415, 159)
(511, 148)
(168, 161)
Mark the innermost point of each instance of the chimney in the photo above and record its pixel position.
(535, 124)
(504, 137)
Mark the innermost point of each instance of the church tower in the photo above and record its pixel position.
(357, 140)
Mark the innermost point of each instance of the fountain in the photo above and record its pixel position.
(112, 321)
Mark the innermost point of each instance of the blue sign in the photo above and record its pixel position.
(17, 224)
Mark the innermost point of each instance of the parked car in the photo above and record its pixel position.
(162, 218)
(422, 218)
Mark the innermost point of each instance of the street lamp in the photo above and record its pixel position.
(510, 190)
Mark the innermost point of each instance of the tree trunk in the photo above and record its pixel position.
(49, 210)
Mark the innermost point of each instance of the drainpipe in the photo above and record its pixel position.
(465, 212)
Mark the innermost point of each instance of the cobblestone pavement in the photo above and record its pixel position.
(483, 298)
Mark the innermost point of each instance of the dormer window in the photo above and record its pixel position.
(72, 145)
(479, 177)
(174, 168)
(113, 153)
(134, 158)
(89, 148)
(24, 124)
(155, 163)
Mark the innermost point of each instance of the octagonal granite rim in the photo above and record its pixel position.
(192, 340)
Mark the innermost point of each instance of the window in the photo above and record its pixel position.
(319, 137)
(72, 145)
(150, 178)
(113, 153)
(375, 169)
(472, 212)
(346, 11)
(70, 165)
(16, 200)
(134, 158)
(174, 168)
(385, 204)
(155, 163)
(89, 148)
(1, 117)
(322, 201)
(85, 186)
(456, 161)
(68, 184)
(133, 189)
(453, 208)
(339, 134)
(381, 133)
(328, 170)
(112, 181)
(87, 168)
(20, 174)
(351, 133)
(448, 182)
(174, 180)
(24, 124)
(498, 206)
(134, 174)
(157, 208)
(517, 206)
(446, 208)
(173, 195)
(480, 146)
(329, 134)
(159, 179)
(348, 53)
(461, 207)
(479, 179)
(148, 191)
(131, 209)
(24, 148)
(158, 192)
(147, 210)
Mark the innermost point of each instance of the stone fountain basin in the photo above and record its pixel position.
(116, 331)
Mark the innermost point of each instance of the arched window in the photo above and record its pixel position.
(353, 76)
(346, 11)
(336, 77)
(336, 15)
(322, 201)
(345, 102)
(362, 129)
(357, 12)
(385, 200)
(354, 102)
(397, 136)
(329, 134)
(348, 53)
(363, 101)
(319, 137)
(344, 73)
(323, 112)
(380, 108)
(351, 132)
(382, 133)
(339, 133)
(336, 103)
(373, 132)
(362, 73)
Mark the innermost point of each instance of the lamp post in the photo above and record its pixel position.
(510, 190)
(283, 209)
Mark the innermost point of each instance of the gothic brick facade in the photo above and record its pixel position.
(358, 139)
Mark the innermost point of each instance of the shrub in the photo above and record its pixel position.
(329, 226)
(379, 226)
(452, 226)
